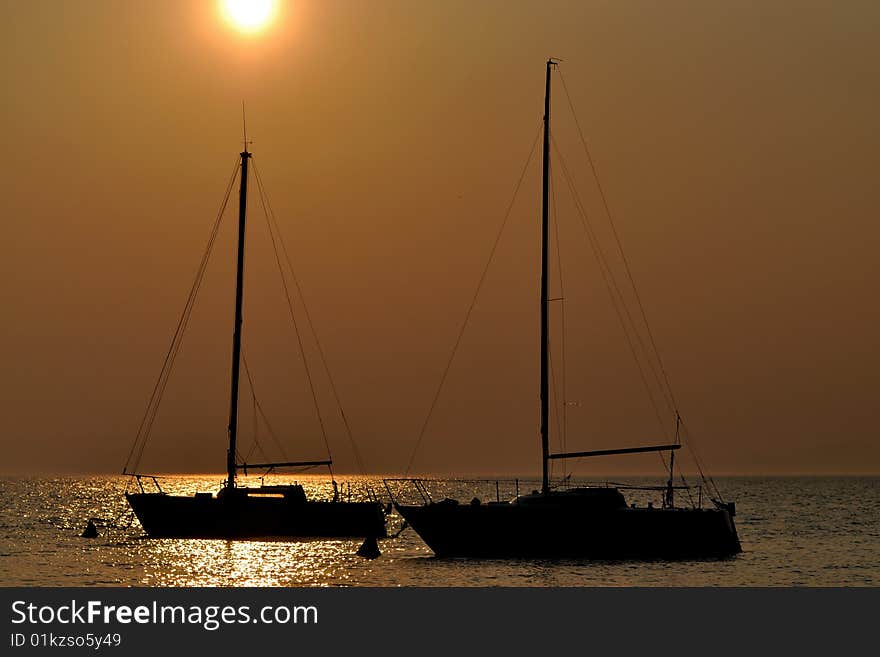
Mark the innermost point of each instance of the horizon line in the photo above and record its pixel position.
(438, 475)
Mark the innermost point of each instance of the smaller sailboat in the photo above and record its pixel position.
(592, 522)
(266, 511)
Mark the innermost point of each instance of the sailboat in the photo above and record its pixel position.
(241, 512)
(593, 522)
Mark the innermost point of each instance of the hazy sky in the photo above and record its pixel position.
(737, 143)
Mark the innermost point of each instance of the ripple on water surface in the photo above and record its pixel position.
(795, 531)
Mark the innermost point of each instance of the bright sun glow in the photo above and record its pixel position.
(249, 16)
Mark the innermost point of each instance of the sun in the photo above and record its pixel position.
(249, 16)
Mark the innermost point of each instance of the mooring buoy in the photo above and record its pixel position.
(369, 549)
(91, 531)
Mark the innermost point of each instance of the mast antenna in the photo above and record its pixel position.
(244, 128)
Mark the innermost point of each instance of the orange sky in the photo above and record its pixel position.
(737, 142)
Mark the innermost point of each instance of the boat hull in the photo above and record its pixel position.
(520, 531)
(251, 517)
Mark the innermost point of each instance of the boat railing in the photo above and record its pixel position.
(404, 490)
(364, 492)
(372, 496)
(339, 490)
(422, 490)
(154, 478)
(397, 489)
(696, 504)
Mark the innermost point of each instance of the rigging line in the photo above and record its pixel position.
(255, 428)
(270, 214)
(186, 317)
(678, 423)
(664, 388)
(145, 425)
(710, 483)
(140, 435)
(256, 424)
(473, 303)
(621, 300)
(553, 387)
(564, 431)
(663, 461)
(667, 398)
(272, 432)
(177, 340)
(255, 443)
(711, 488)
(555, 396)
(258, 408)
(613, 291)
(295, 278)
(302, 350)
(691, 445)
(555, 405)
(250, 453)
(610, 286)
(687, 489)
(619, 245)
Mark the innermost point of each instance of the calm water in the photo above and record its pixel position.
(795, 532)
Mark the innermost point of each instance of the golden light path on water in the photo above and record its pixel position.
(248, 563)
(315, 562)
(795, 532)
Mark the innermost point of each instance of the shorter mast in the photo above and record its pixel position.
(545, 294)
(236, 332)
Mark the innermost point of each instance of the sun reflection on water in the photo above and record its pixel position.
(795, 531)
(295, 562)
(248, 563)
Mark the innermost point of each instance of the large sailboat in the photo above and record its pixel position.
(240, 512)
(579, 522)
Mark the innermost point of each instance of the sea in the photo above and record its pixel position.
(795, 531)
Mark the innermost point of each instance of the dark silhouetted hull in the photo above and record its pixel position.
(243, 517)
(521, 531)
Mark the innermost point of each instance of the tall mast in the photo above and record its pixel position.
(236, 332)
(545, 294)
